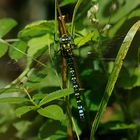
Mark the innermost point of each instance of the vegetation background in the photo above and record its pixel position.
(30, 70)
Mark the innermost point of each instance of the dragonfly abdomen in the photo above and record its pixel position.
(75, 86)
(66, 51)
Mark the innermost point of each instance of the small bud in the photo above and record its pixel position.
(91, 14)
(107, 27)
(95, 8)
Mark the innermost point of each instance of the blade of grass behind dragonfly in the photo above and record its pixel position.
(73, 17)
(114, 76)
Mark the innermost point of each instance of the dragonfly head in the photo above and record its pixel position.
(65, 39)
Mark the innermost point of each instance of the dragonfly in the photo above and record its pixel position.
(66, 46)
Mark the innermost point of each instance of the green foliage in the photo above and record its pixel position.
(81, 40)
(13, 100)
(6, 25)
(38, 43)
(24, 109)
(37, 29)
(114, 74)
(4, 48)
(54, 131)
(18, 49)
(51, 111)
(123, 126)
(65, 2)
(39, 107)
(119, 11)
(55, 95)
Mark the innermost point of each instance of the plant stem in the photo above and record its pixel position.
(11, 40)
(73, 17)
(30, 98)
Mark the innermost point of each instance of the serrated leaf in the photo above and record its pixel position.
(55, 95)
(24, 109)
(18, 50)
(37, 29)
(13, 100)
(80, 41)
(41, 23)
(3, 48)
(39, 96)
(38, 43)
(27, 34)
(6, 25)
(52, 111)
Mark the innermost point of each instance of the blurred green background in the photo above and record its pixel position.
(100, 27)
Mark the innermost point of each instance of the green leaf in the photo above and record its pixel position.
(119, 12)
(13, 100)
(3, 48)
(24, 109)
(39, 96)
(27, 34)
(54, 132)
(9, 90)
(52, 111)
(135, 13)
(55, 95)
(117, 125)
(37, 29)
(43, 78)
(133, 74)
(122, 126)
(80, 41)
(22, 128)
(6, 25)
(42, 23)
(38, 43)
(17, 50)
(137, 76)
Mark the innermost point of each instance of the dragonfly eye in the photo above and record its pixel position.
(66, 38)
(62, 40)
(70, 38)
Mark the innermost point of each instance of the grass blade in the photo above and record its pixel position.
(73, 17)
(114, 75)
